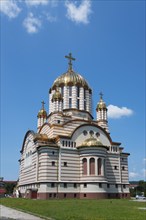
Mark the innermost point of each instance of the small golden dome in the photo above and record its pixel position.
(70, 78)
(91, 142)
(57, 96)
(42, 113)
(101, 104)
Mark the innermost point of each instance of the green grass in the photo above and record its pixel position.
(75, 209)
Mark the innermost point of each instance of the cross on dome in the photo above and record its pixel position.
(70, 58)
(43, 103)
(101, 95)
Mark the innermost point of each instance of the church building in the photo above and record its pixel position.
(72, 155)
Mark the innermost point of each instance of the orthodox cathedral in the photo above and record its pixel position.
(72, 155)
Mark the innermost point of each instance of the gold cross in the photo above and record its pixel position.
(70, 60)
(43, 103)
(101, 94)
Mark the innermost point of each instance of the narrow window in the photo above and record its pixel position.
(84, 163)
(70, 91)
(78, 91)
(62, 91)
(52, 185)
(84, 195)
(100, 185)
(75, 195)
(75, 185)
(65, 185)
(85, 185)
(116, 185)
(78, 103)
(53, 163)
(108, 185)
(123, 168)
(99, 166)
(92, 166)
(70, 102)
(62, 143)
(115, 167)
(65, 164)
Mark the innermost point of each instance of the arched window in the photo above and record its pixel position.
(99, 166)
(84, 162)
(92, 166)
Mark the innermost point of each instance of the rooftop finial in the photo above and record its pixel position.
(70, 58)
(43, 103)
(101, 95)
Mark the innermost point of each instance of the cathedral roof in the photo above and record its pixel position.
(70, 78)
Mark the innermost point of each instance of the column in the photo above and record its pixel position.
(74, 97)
(88, 169)
(65, 97)
(81, 98)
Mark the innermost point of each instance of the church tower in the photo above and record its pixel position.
(42, 116)
(101, 110)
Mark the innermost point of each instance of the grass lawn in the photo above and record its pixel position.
(75, 209)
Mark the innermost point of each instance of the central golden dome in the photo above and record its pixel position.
(70, 78)
(92, 142)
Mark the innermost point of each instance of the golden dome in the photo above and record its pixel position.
(91, 142)
(42, 113)
(101, 104)
(57, 96)
(70, 78)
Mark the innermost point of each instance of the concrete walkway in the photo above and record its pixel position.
(9, 213)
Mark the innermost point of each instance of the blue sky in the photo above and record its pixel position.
(107, 38)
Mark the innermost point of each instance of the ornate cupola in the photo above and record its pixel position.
(42, 116)
(57, 100)
(101, 110)
(75, 91)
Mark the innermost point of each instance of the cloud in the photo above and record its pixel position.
(133, 175)
(32, 24)
(50, 18)
(36, 2)
(118, 112)
(79, 14)
(9, 8)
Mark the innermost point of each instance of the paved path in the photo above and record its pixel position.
(9, 213)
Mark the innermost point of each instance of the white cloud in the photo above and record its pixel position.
(36, 2)
(79, 14)
(50, 18)
(32, 24)
(133, 175)
(9, 8)
(118, 112)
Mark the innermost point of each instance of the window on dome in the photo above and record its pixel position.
(62, 91)
(78, 91)
(85, 105)
(85, 132)
(91, 132)
(78, 103)
(70, 102)
(70, 91)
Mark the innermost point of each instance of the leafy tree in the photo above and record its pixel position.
(9, 187)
